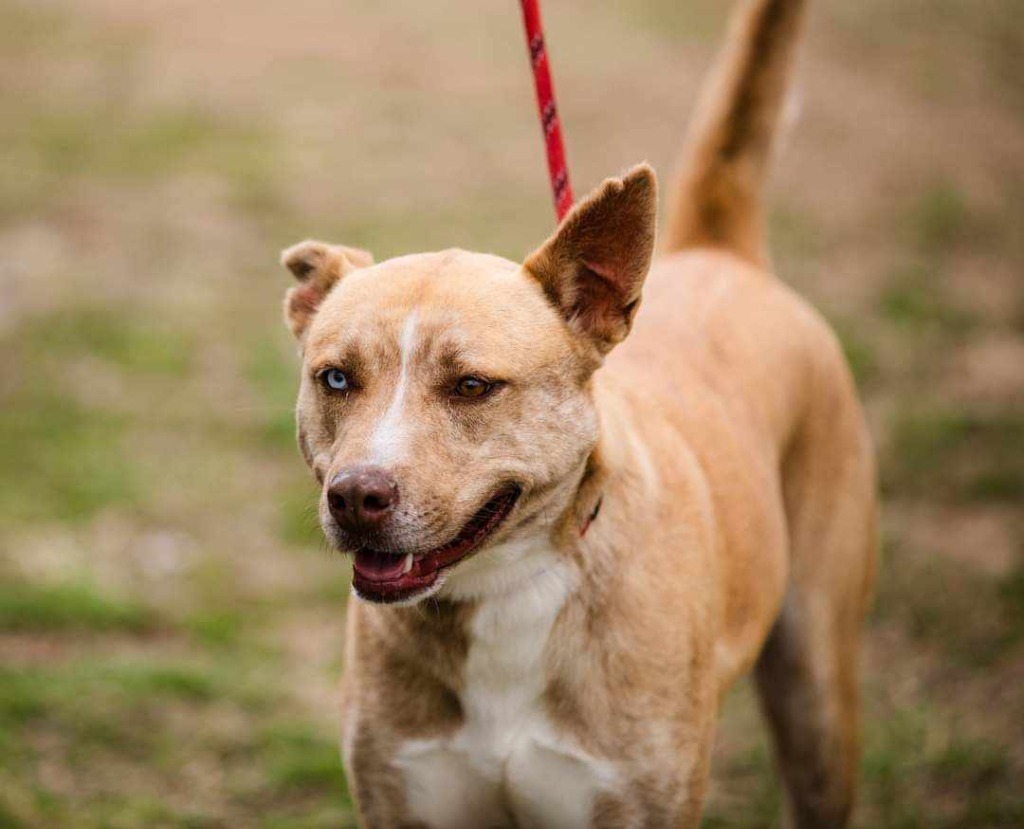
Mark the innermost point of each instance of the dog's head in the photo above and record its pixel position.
(445, 404)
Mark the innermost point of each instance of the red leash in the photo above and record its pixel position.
(557, 168)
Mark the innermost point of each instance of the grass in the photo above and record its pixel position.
(112, 334)
(217, 628)
(69, 607)
(940, 218)
(62, 459)
(104, 135)
(170, 633)
(272, 371)
(299, 522)
(299, 758)
(970, 618)
(128, 713)
(938, 224)
(919, 757)
(916, 298)
(988, 31)
(921, 767)
(957, 454)
(65, 442)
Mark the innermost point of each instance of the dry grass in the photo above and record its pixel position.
(169, 630)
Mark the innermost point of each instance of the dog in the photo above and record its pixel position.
(568, 543)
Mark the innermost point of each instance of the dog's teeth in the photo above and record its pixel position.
(408, 564)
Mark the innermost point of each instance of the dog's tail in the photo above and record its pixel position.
(717, 196)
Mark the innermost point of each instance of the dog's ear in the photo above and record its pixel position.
(594, 266)
(318, 267)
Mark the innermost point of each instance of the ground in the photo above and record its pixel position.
(170, 622)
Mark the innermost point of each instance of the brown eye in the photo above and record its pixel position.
(473, 388)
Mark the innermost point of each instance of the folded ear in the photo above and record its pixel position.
(594, 266)
(318, 267)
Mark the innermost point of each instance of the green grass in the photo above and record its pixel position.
(272, 368)
(85, 694)
(116, 335)
(69, 607)
(936, 224)
(180, 681)
(940, 218)
(66, 142)
(915, 299)
(61, 458)
(217, 627)
(130, 711)
(51, 148)
(66, 447)
(299, 522)
(297, 758)
(969, 617)
(114, 812)
(955, 454)
(922, 769)
(986, 33)
(921, 766)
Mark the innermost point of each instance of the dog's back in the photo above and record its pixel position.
(757, 383)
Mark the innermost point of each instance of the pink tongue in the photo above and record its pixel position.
(378, 566)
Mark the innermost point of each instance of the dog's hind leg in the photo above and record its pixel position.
(807, 674)
(808, 688)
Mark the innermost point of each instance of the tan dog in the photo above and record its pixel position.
(562, 562)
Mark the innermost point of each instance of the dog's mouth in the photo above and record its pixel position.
(393, 577)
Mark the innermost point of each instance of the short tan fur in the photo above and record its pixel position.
(586, 492)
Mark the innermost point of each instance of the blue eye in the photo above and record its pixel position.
(335, 380)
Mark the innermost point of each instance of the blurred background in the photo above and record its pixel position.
(170, 623)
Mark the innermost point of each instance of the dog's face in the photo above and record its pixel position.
(445, 399)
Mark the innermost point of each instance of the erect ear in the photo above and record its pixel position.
(594, 266)
(318, 267)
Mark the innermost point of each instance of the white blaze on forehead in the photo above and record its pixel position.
(388, 439)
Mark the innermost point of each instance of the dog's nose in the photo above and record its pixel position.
(361, 498)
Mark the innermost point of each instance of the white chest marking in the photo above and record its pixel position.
(388, 438)
(508, 761)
